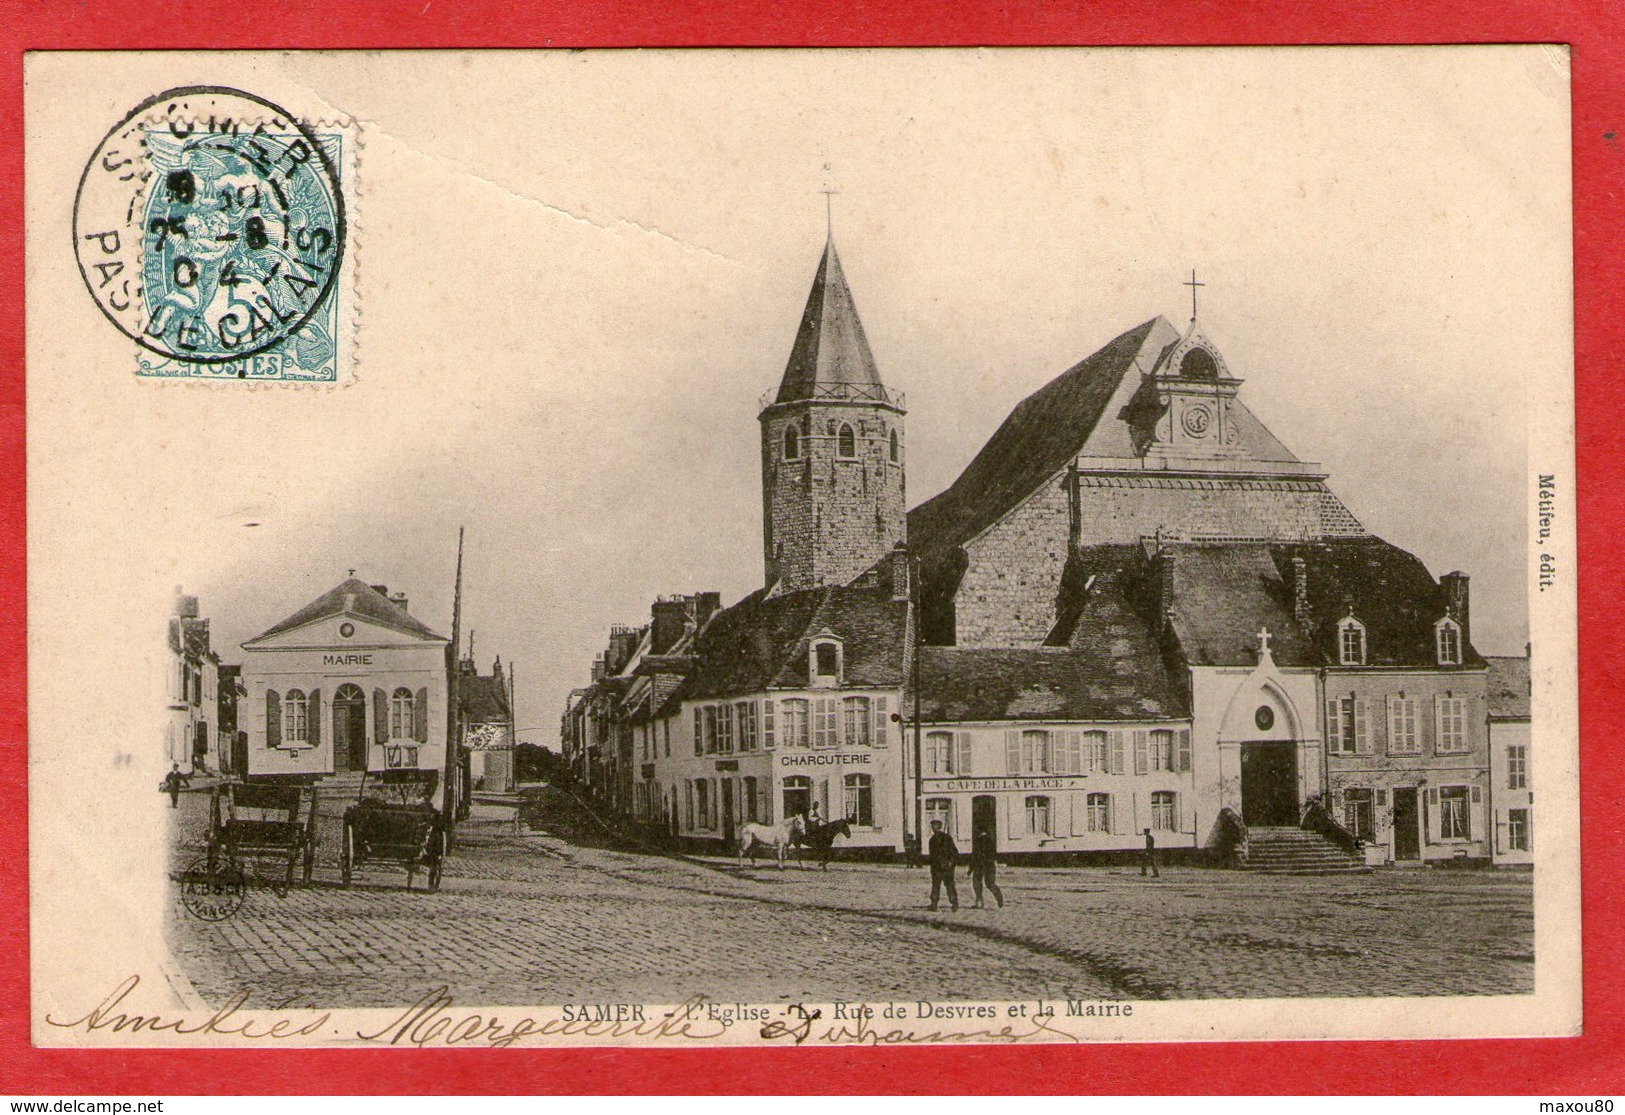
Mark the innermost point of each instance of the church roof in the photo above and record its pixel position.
(959, 684)
(1046, 430)
(762, 641)
(1219, 596)
(831, 356)
(357, 598)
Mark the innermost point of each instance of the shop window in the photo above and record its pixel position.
(797, 796)
(859, 804)
(1164, 811)
(939, 809)
(1038, 815)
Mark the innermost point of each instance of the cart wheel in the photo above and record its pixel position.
(347, 855)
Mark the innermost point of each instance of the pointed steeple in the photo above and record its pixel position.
(831, 357)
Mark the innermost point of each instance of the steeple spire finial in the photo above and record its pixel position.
(829, 193)
(1193, 284)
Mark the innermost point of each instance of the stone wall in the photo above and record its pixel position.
(826, 519)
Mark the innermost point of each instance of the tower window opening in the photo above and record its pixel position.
(792, 443)
(894, 447)
(846, 443)
(1199, 364)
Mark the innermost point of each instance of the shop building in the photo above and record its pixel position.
(1511, 778)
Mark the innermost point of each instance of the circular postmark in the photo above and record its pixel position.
(212, 893)
(209, 224)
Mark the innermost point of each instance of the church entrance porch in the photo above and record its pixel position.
(1269, 783)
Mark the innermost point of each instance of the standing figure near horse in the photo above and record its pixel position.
(821, 837)
(777, 837)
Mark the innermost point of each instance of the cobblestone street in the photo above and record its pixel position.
(535, 913)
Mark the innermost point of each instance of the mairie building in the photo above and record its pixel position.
(1136, 611)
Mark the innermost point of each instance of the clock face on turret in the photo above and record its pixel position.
(1196, 420)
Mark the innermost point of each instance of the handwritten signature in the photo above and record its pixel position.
(798, 1028)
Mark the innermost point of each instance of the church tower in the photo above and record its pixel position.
(832, 449)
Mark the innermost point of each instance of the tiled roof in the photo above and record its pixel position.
(1043, 433)
(1508, 688)
(1389, 591)
(484, 699)
(830, 347)
(357, 598)
(763, 641)
(1219, 597)
(976, 683)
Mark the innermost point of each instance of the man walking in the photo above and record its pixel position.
(1150, 855)
(173, 781)
(983, 865)
(943, 853)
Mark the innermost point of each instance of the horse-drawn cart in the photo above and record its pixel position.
(395, 821)
(263, 821)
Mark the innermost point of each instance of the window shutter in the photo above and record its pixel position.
(1115, 757)
(1393, 724)
(1046, 754)
(1141, 761)
(380, 716)
(1438, 733)
(962, 756)
(273, 718)
(1184, 760)
(313, 719)
(1362, 737)
(1015, 814)
(1116, 814)
(1334, 726)
(1080, 813)
(1012, 752)
(882, 721)
(420, 716)
(699, 732)
(767, 724)
(1070, 760)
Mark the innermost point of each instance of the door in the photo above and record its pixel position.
(1269, 783)
(1407, 837)
(728, 810)
(349, 729)
(984, 823)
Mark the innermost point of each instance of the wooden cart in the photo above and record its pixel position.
(253, 821)
(396, 822)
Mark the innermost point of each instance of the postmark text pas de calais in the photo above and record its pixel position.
(210, 227)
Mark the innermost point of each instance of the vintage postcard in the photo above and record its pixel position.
(800, 548)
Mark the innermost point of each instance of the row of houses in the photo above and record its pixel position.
(1134, 610)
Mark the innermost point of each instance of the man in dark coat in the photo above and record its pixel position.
(944, 854)
(173, 781)
(983, 865)
(1150, 856)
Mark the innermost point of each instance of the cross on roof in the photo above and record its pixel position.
(1193, 284)
(829, 193)
(1264, 640)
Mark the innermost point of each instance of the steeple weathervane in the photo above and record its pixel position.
(829, 193)
(1193, 284)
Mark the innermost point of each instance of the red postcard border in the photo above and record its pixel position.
(1595, 29)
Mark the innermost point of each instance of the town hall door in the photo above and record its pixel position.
(349, 729)
(1269, 783)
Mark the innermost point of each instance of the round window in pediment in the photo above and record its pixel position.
(1264, 718)
(1199, 364)
(346, 629)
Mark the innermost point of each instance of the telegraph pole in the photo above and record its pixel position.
(451, 793)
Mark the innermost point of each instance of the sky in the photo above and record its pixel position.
(577, 273)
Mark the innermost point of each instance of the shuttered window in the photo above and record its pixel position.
(1450, 725)
(699, 739)
(1099, 810)
(856, 725)
(400, 714)
(1094, 753)
(745, 717)
(1165, 811)
(962, 753)
(1038, 816)
(882, 707)
(1453, 812)
(273, 718)
(295, 717)
(767, 723)
(939, 753)
(795, 723)
(1162, 750)
(1403, 738)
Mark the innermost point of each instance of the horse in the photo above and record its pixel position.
(779, 837)
(821, 838)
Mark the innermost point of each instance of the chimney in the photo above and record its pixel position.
(895, 572)
(598, 668)
(623, 641)
(399, 600)
(1300, 592)
(185, 606)
(381, 590)
(706, 605)
(667, 619)
(1456, 605)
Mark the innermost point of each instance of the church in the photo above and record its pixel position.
(1135, 613)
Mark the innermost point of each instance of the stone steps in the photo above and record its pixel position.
(1296, 851)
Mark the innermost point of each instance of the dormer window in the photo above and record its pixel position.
(1447, 637)
(1351, 642)
(825, 661)
(846, 443)
(792, 443)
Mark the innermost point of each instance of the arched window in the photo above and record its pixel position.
(1199, 364)
(1448, 635)
(792, 443)
(400, 714)
(893, 447)
(860, 799)
(797, 796)
(295, 717)
(846, 442)
(1351, 642)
